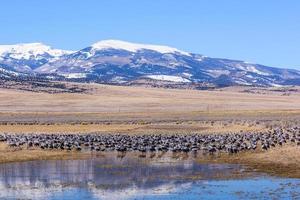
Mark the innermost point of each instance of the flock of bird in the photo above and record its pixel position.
(231, 143)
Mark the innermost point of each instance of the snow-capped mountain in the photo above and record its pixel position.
(114, 61)
(27, 57)
(132, 47)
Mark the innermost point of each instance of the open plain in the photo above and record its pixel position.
(106, 109)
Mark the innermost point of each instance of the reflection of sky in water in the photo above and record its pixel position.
(128, 178)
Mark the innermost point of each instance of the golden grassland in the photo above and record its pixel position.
(122, 109)
(18, 155)
(139, 110)
(136, 128)
(118, 102)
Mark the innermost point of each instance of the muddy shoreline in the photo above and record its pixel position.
(280, 161)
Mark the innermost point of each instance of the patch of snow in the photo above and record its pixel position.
(118, 79)
(199, 59)
(187, 75)
(242, 82)
(50, 77)
(46, 69)
(73, 75)
(217, 72)
(275, 85)
(87, 54)
(134, 47)
(9, 72)
(169, 78)
(254, 70)
(251, 68)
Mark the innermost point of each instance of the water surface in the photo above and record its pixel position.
(130, 177)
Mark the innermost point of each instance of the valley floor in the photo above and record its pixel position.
(138, 110)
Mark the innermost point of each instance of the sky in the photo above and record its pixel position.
(257, 31)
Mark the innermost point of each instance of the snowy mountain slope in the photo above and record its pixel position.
(114, 61)
(26, 57)
(169, 78)
(134, 47)
(29, 50)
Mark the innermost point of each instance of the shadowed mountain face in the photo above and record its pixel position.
(126, 63)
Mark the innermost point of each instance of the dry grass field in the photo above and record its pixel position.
(110, 109)
(135, 128)
(130, 100)
(105, 104)
(139, 110)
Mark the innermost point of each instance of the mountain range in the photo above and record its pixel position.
(124, 63)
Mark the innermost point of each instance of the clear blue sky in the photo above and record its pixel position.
(260, 31)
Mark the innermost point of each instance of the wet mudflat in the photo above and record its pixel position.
(132, 177)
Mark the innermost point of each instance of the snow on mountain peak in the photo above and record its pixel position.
(134, 47)
(28, 50)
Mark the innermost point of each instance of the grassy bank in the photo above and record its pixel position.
(280, 161)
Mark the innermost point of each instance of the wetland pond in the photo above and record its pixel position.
(133, 177)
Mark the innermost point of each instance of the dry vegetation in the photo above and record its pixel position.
(135, 110)
(139, 110)
(17, 155)
(282, 161)
(132, 105)
(136, 101)
(134, 128)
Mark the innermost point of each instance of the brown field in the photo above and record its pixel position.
(134, 110)
(104, 103)
(152, 128)
(139, 110)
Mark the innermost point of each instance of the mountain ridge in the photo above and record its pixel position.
(120, 62)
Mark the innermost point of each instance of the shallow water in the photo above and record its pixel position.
(130, 177)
